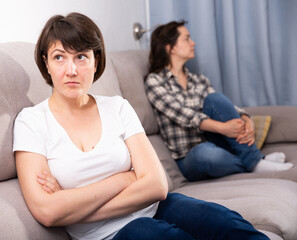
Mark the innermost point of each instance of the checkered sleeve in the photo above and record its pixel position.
(241, 111)
(204, 81)
(169, 105)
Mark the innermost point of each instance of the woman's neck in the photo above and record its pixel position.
(178, 72)
(176, 67)
(58, 103)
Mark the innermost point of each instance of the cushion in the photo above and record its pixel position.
(271, 235)
(21, 85)
(283, 124)
(262, 124)
(174, 175)
(131, 67)
(107, 84)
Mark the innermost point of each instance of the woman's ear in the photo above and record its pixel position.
(46, 63)
(169, 49)
(96, 62)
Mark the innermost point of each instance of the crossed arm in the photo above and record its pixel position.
(112, 197)
(242, 129)
(167, 103)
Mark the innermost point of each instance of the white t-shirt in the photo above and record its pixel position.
(36, 130)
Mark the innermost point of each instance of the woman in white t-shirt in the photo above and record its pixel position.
(84, 161)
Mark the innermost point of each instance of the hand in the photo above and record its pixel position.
(131, 176)
(248, 137)
(48, 182)
(233, 128)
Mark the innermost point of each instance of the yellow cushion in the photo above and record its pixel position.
(262, 124)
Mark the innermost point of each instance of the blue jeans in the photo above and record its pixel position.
(220, 155)
(184, 218)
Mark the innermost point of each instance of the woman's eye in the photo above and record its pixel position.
(81, 57)
(58, 57)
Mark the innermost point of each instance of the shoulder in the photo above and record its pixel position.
(111, 104)
(33, 114)
(203, 78)
(112, 101)
(155, 78)
(199, 78)
(31, 121)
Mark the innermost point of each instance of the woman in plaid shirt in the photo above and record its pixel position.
(207, 135)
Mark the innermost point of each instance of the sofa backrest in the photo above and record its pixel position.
(131, 67)
(21, 85)
(283, 122)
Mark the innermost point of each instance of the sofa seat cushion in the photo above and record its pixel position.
(269, 204)
(16, 221)
(271, 236)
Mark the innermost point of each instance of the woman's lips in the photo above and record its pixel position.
(72, 84)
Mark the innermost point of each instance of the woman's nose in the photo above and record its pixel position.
(71, 69)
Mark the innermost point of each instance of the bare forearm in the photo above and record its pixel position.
(137, 196)
(151, 184)
(71, 206)
(210, 125)
(231, 128)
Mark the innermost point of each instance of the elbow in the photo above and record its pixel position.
(161, 186)
(46, 217)
(162, 195)
(162, 190)
(47, 222)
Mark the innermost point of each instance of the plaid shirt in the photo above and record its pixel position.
(179, 111)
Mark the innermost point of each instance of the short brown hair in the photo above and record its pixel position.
(162, 36)
(76, 32)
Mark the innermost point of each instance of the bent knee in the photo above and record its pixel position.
(207, 153)
(215, 98)
(227, 220)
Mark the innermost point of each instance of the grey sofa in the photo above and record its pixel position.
(267, 200)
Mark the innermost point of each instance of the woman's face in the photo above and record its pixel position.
(72, 72)
(184, 48)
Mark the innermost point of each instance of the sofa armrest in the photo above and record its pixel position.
(283, 122)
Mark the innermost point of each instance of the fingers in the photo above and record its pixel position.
(46, 185)
(242, 126)
(235, 127)
(47, 189)
(48, 182)
(251, 142)
(46, 176)
(246, 139)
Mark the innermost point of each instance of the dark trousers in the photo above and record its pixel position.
(183, 218)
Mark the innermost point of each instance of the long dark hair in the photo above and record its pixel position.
(163, 36)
